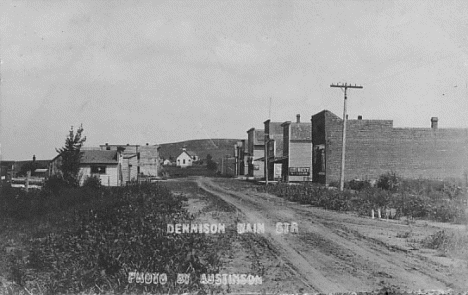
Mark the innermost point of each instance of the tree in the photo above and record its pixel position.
(29, 166)
(210, 164)
(71, 156)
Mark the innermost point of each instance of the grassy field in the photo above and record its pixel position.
(196, 170)
(217, 148)
(422, 201)
(443, 201)
(83, 240)
(103, 240)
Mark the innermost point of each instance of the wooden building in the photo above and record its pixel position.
(274, 149)
(297, 151)
(255, 152)
(185, 159)
(107, 165)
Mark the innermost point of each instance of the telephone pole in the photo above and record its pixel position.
(345, 119)
(265, 152)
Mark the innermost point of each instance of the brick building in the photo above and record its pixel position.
(255, 152)
(297, 151)
(374, 147)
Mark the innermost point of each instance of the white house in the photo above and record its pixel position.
(107, 165)
(185, 159)
(193, 155)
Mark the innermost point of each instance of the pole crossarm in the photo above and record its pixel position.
(343, 150)
(346, 85)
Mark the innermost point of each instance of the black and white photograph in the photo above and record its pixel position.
(244, 147)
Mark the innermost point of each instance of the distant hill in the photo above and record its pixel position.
(217, 148)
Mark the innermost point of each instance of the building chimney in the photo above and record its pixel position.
(34, 158)
(107, 143)
(434, 123)
(359, 117)
(298, 118)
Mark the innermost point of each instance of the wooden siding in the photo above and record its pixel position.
(110, 178)
(130, 169)
(149, 160)
(258, 173)
(181, 158)
(300, 155)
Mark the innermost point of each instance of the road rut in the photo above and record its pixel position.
(333, 252)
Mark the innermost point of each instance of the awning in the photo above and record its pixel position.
(278, 159)
(272, 160)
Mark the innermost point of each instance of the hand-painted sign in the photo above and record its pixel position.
(299, 171)
(277, 171)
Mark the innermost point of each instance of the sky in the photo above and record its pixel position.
(165, 71)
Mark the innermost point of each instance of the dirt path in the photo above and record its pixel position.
(335, 252)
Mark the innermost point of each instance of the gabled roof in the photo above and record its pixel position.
(185, 152)
(99, 157)
(191, 154)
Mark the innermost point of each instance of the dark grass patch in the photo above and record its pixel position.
(90, 241)
(448, 242)
(425, 199)
(197, 170)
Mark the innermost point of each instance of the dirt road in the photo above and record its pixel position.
(335, 252)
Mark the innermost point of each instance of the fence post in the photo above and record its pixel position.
(372, 213)
(379, 213)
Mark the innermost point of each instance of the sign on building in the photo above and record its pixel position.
(277, 171)
(299, 171)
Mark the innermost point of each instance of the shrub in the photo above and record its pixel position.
(416, 206)
(123, 231)
(446, 239)
(93, 182)
(211, 165)
(389, 181)
(432, 199)
(372, 199)
(356, 184)
(17, 203)
(55, 184)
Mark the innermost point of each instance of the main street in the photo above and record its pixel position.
(340, 252)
